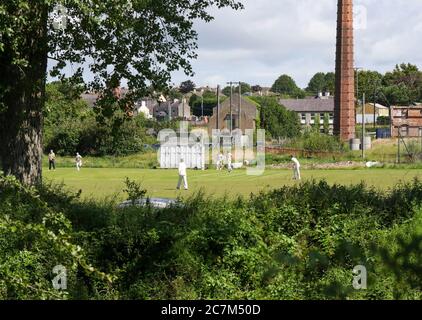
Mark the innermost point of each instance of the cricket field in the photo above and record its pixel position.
(103, 182)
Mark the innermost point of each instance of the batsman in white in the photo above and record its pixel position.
(78, 160)
(296, 168)
(182, 175)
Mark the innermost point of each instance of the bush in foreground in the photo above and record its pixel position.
(297, 242)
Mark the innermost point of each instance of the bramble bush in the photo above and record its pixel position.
(34, 238)
(316, 141)
(299, 242)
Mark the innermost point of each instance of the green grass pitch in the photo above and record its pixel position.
(104, 182)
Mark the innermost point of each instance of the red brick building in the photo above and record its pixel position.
(407, 121)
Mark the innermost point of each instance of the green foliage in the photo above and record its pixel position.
(174, 94)
(285, 85)
(383, 121)
(317, 124)
(141, 43)
(403, 86)
(187, 86)
(370, 83)
(209, 103)
(134, 190)
(326, 123)
(313, 140)
(299, 242)
(71, 126)
(322, 82)
(34, 238)
(276, 119)
(245, 88)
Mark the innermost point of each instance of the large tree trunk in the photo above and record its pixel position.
(23, 98)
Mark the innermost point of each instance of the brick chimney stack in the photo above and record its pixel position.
(344, 111)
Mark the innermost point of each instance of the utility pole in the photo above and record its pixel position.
(231, 103)
(218, 107)
(240, 105)
(357, 87)
(363, 126)
(375, 107)
(202, 103)
(398, 146)
(231, 83)
(377, 85)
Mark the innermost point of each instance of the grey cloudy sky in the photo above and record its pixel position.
(297, 37)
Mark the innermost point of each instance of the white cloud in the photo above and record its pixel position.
(297, 37)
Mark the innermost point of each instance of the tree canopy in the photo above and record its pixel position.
(187, 86)
(138, 43)
(321, 82)
(287, 86)
(276, 119)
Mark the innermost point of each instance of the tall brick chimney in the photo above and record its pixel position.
(344, 111)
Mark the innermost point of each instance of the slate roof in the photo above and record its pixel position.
(309, 105)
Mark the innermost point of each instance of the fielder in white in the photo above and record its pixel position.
(229, 162)
(220, 161)
(182, 175)
(78, 160)
(296, 169)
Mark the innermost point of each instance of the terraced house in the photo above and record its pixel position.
(309, 109)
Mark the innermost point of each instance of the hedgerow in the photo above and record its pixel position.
(298, 242)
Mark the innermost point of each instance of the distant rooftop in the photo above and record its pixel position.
(309, 105)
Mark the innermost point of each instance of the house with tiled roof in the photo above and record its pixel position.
(309, 109)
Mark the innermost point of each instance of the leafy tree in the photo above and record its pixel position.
(326, 123)
(187, 86)
(208, 94)
(397, 95)
(276, 119)
(317, 124)
(322, 82)
(369, 82)
(330, 82)
(209, 103)
(193, 98)
(244, 86)
(286, 85)
(227, 91)
(140, 42)
(317, 83)
(175, 94)
(404, 84)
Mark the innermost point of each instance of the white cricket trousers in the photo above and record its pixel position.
(185, 182)
(296, 173)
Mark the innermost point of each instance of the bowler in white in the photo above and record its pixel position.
(182, 175)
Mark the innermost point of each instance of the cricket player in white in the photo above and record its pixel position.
(220, 160)
(296, 169)
(182, 175)
(78, 160)
(229, 162)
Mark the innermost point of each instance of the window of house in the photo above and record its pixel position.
(313, 116)
(303, 116)
(227, 122)
(404, 131)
